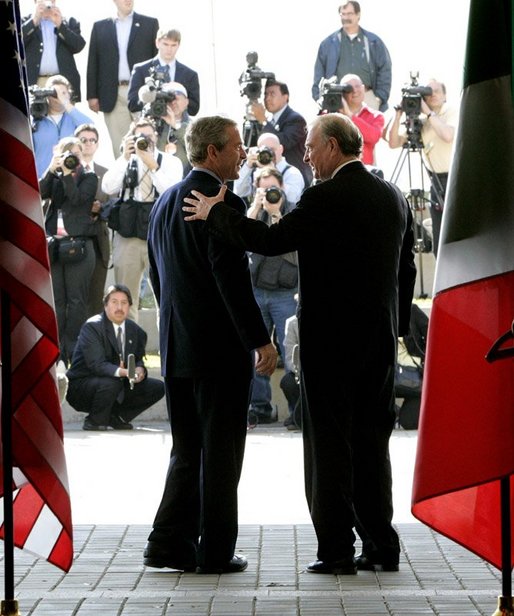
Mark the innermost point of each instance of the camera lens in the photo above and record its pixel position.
(142, 143)
(273, 194)
(265, 156)
(70, 161)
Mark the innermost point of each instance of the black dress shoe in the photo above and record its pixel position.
(235, 565)
(336, 567)
(118, 423)
(153, 556)
(367, 563)
(89, 424)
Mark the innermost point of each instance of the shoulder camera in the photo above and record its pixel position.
(38, 103)
(153, 95)
(273, 194)
(330, 100)
(251, 79)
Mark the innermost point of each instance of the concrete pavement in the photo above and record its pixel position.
(116, 481)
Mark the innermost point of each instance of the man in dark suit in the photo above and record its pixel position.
(116, 44)
(99, 380)
(51, 41)
(88, 136)
(211, 331)
(168, 42)
(353, 233)
(288, 125)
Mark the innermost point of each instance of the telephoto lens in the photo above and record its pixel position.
(142, 142)
(273, 194)
(70, 161)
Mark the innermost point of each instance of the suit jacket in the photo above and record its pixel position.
(354, 238)
(103, 59)
(102, 231)
(73, 198)
(69, 42)
(291, 129)
(183, 74)
(96, 352)
(208, 315)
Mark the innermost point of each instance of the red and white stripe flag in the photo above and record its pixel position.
(466, 432)
(41, 509)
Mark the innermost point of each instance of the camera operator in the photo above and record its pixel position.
(275, 283)
(289, 126)
(138, 176)
(60, 121)
(437, 133)
(369, 121)
(173, 125)
(167, 43)
(268, 153)
(51, 41)
(70, 191)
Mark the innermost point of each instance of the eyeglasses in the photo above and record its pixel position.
(85, 140)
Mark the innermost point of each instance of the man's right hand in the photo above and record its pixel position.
(266, 360)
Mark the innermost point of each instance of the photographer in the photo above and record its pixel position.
(275, 283)
(51, 42)
(173, 125)
(61, 120)
(369, 121)
(437, 134)
(167, 43)
(289, 126)
(70, 191)
(138, 176)
(268, 153)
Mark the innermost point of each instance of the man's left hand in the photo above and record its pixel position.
(201, 205)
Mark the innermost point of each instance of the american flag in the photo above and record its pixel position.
(42, 510)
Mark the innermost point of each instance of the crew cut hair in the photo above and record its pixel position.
(206, 131)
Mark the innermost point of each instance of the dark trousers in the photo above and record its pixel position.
(208, 419)
(70, 284)
(291, 388)
(347, 423)
(437, 195)
(103, 396)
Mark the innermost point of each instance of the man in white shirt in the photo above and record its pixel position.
(138, 176)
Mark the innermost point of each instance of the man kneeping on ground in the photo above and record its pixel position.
(100, 380)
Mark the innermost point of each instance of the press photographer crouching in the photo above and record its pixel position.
(137, 177)
(70, 227)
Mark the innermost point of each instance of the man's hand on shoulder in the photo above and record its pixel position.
(201, 205)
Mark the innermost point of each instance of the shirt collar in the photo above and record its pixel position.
(348, 162)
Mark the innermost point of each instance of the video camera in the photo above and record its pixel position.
(332, 92)
(412, 95)
(38, 103)
(153, 96)
(251, 79)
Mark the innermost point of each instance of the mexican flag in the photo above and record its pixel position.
(466, 430)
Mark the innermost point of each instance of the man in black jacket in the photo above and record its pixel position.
(116, 44)
(99, 380)
(353, 233)
(51, 41)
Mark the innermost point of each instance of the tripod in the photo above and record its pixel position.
(416, 197)
(251, 129)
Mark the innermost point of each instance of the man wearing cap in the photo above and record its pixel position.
(116, 44)
(167, 43)
(173, 125)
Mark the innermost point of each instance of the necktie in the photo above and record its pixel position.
(146, 187)
(166, 72)
(119, 340)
